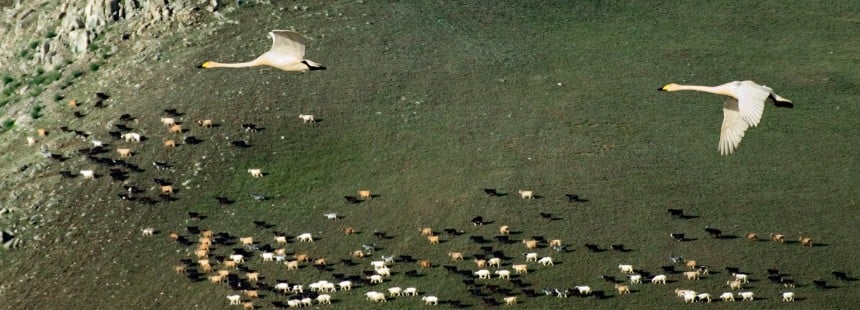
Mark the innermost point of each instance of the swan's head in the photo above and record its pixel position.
(670, 87)
(207, 64)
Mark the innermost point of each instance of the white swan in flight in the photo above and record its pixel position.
(742, 110)
(287, 53)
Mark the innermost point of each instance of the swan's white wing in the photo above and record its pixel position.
(751, 98)
(288, 43)
(733, 127)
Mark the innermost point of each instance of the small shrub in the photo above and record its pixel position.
(36, 91)
(58, 97)
(40, 70)
(94, 67)
(4, 101)
(77, 73)
(7, 124)
(7, 79)
(23, 53)
(36, 112)
(50, 34)
(34, 44)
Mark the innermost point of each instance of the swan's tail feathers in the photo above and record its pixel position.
(313, 66)
(780, 101)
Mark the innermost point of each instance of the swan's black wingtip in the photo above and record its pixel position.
(316, 68)
(783, 104)
(661, 89)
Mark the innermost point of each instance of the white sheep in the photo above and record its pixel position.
(305, 237)
(635, 279)
(377, 264)
(298, 288)
(283, 287)
(98, 143)
(395, 291)
(689, 296)
(746, 296)
(495, 261)
(31, 141)
(430, 300)
(294, 303)
(345, 285)
(526, 194)
(511, 300)
(330, 216)
(131, 137)
(741, 277)
(704, 297)
(307, 302)
(327, 287)
(374, 279)
(727, 296)
(238, 258)
(583, 289)
(483, 274)
(307, 118)
(149, 231)
(626, 268)
(168, 121)
(691, 275)
(787, 296)
(234, 299)
(267, 256)
(88, 174)
(531, 257)
(256, 172)
(324, 299)
(660, 278)
(384, 271)
(504, 274)
(546, 261)
(410, 291)
(375, 296)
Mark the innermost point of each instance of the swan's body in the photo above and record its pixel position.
(742, 111)
(287, 53)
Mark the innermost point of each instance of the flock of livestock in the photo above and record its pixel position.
(497, 278)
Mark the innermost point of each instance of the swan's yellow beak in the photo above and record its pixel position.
(205, 65)
(664, 88)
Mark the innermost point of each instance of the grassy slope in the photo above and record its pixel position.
(429, 103)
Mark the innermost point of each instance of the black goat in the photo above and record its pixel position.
(491, 192)
(716, 233)
(593, 248)
(679, 213)
(478, 220)
(351, 199)
(678, 237)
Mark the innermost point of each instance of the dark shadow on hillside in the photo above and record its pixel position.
(242, 144)
(263, 224)
(727, 237)
(575, 198)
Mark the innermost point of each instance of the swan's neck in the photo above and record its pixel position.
(719, 90)
(252, 63)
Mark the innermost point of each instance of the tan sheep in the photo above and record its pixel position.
(520, 268)
(170, 143)
(168, 121)
(531, 244)
(281, 239)
(426, 231)
(622, 289)
(175, 129)
(292, 265)
(41, 132)
(481, 263)
(751, 236)
(349, 231)
(302, 257)
(206, 123)
(364, 194)
(555, 242)
(777, 237)
(256, 173)
(179, 268)
(246, 241)
(690, 264)
(253, 277)
(123, 152)
(505, 230)
(424, 264)
(251, 294)
(167, 189)
(805, 241)
(456, 256)
(433, 239)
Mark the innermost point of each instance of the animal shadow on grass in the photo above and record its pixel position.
(223, 200)
(727, 237)
(263, 224)
(575, 198)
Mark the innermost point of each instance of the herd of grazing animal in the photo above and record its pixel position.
(234, 265)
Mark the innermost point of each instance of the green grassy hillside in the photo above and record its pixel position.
(427, 103)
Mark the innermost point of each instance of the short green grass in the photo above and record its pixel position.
(426, 104)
